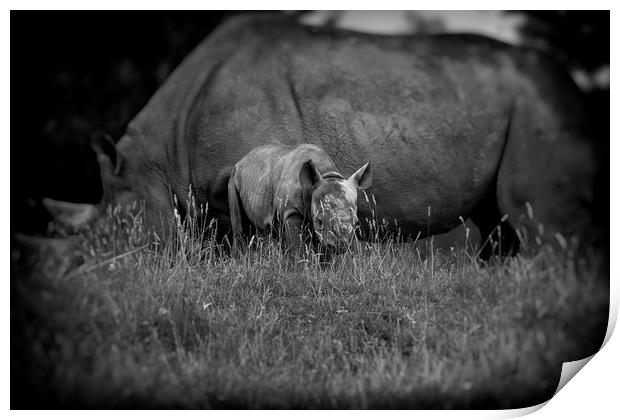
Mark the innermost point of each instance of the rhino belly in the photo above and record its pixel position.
(430, 185)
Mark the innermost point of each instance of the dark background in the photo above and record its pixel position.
(75, 73)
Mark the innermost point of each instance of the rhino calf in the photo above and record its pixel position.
(295, 186)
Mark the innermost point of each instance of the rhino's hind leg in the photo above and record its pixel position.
(497, 237)
(547, 178)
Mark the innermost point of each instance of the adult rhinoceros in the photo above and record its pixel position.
(462, 125)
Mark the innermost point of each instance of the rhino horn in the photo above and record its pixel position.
(60, 246)
(70, 215)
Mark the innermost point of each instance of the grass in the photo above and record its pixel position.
(385, 325)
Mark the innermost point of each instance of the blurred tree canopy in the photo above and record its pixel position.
(580, 39)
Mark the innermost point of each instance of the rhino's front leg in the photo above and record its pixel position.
(294, 233)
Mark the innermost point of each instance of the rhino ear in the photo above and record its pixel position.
(308, 175)
(362, 177)
(110, 160)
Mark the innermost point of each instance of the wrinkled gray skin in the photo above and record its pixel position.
(294, 187)
(461, 124)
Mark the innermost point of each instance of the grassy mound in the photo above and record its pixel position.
(388, 324)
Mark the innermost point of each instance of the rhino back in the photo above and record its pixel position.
(254, 177)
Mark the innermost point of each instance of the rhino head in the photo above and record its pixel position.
(130, 184)
(334, 202)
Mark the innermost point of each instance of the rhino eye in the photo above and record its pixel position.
(319, 223)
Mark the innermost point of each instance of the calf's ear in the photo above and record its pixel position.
(362, 177)
(110, 160)
(308, 175)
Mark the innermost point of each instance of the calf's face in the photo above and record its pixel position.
(334, 203)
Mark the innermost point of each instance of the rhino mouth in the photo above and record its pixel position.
(333, 241)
